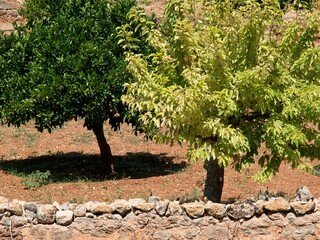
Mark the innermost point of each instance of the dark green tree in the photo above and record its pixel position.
(64, 63)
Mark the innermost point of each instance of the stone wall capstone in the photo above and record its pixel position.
(271, 218)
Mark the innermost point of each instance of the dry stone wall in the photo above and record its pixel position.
(266, 218)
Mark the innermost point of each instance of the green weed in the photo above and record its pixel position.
(16, 135)
(119, 192)
(196, 194)
(31, 139)
(20, 130)
(36, 179)
(1, 136)
(145, 2)
(76, 200)
(49, 198)
(316, 170)
(81, 179)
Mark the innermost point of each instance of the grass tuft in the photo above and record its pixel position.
(36, 179)
(316, 170)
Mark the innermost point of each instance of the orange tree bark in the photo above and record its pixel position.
(107, 160)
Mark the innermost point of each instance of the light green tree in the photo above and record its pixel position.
(229, 78)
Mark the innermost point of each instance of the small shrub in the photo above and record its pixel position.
(36, 179)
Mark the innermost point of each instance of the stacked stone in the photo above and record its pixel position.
(100, 218)
(7, 9)
(9, 14)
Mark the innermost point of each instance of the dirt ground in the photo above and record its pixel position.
(71, 155)
(144, 168)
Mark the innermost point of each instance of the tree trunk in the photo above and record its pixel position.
(107, 160)
(214, 181)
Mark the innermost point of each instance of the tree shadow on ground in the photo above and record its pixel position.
(75, 167)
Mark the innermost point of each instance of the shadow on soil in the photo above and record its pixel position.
(75, 167)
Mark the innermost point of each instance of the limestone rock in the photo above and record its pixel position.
(5, 221)
(298, 232)
(64, 218)
(121, 206)
(317, 206)
(89, 204)
(176, 221)
(188, 233)
(301, 207)
(276, 216)
(210, 231)
(90, 215)
(216, 232)
(35, 221)
(18, 221)
(37, 231)
(277, 205)
(117, 217)
(30, 215)
(174, 208)
(57, 205)
(142, 219)
(205, 221)
(22, 203)
(2, 208)
(65, 206)
(60, 233)
(3, 200)
(71, 206)
(15, 209)
(194, 210)
(291, 216)
(129, 218)
(83, 224)
(31, 206)
(136, 201)
(161, 207)
(241, 210)
(15, 201)
(101, 208)
(7, 214)
(162, 235)
(46, 214)
(80, 210)
(303, 194)
(217, 210)
(259, 206)
(145, 207)
(262, 221)
(153, 199)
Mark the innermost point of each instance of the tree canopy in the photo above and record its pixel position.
(64, 63)
(228, 79)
